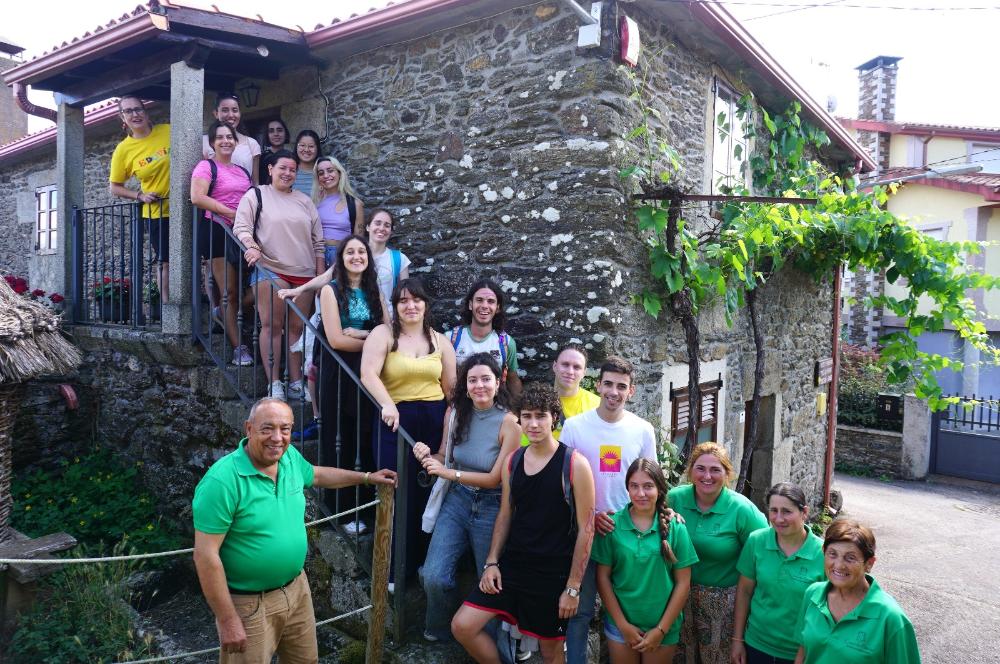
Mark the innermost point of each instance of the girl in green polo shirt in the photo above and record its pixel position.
(776, 567)
(719, 521)
(643, 572)
(849, 619)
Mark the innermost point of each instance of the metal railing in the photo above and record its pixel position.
(116, 271)
(973, 413)
(342, 440)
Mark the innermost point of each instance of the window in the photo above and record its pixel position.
(46, 219)
(680, 413)
(730, 149)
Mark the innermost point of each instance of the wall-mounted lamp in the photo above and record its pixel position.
(250, 94)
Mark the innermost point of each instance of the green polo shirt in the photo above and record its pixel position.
(875, 632)
(642, 578)
(718, 534)
(263, 520)
(781, 583)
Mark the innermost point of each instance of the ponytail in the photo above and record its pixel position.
(661, 513)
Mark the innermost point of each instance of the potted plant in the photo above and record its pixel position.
(151, 296)
(112, 296)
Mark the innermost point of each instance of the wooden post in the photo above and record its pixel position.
(380, 573)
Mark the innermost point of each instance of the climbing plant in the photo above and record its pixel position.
(727, 260)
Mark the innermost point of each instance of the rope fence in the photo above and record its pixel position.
(161, 554)
(207, 651)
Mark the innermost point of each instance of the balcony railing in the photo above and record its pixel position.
(115, 271)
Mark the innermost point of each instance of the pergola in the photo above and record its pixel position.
(162, 52)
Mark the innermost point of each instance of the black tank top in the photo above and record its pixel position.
(541, 524)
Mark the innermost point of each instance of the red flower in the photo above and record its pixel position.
(20, 287)
(107, 280)
(56, 298)
(38, 292)
(9, 278)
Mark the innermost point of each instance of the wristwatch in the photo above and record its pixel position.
(572, 592)
(458, 476)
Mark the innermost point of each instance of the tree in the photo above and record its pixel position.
(727, 263)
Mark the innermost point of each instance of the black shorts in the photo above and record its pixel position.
(214, 242)
(530, 595)
(159, 237)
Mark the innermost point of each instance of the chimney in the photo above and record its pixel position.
(13, 121)
(877, 101)
(877, 88)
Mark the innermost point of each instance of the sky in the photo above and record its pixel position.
(943, 76)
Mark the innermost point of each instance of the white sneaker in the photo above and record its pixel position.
(242, 356)
(297, 392)
(277, 390)
(355, 528)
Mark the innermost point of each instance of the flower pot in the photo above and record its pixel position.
(116, 310)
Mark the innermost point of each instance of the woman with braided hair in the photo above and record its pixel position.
(643, 572)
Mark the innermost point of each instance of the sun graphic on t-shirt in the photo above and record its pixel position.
(611, 459)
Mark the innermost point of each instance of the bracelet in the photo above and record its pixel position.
(662, 631)
(733, 638)
(488, 565)
(367, 477)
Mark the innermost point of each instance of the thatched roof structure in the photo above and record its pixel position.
(30, 342)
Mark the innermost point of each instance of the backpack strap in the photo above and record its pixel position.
(514, 461)
(456, 336)
(502, 338)
(214, 169)
(249, 177)
(396, 256)
(567, 487)
(256, 215)
(352, 211)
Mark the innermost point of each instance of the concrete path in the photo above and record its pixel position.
(938, 554)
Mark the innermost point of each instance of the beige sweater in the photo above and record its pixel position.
(289, 233)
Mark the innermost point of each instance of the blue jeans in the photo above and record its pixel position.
(466, 520)
(330, 254)
(579, 625)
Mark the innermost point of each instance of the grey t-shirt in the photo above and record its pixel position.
(478, 449)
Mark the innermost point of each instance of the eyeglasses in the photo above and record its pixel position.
(133, 111)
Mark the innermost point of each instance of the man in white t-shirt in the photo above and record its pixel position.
(482, 331)
(610, 438)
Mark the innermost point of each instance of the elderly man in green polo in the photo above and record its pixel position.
(250, 540)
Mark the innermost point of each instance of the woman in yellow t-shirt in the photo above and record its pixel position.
(409, 368)
(145, 155)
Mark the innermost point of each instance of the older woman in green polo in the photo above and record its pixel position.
(849, 619)
(776, 567)
(719, 522)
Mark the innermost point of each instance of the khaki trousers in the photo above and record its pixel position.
(281, 621)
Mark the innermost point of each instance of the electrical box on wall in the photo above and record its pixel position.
(589, 36)
(631, 46)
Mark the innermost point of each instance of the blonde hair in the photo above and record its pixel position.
(343, 187)
(716, 450)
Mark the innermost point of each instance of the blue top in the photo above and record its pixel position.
(356, 314)
(303, 182)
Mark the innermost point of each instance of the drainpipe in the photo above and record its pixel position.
(831, 413)
(21, 97)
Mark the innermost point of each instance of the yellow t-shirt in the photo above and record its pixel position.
(413, 378)
(580, 402)
(148, 159)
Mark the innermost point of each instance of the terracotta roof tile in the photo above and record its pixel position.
(989, 180)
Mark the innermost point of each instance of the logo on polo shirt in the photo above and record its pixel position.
(611, 459)
(859, 642)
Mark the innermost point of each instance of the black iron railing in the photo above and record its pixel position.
(116, 273)
(973, 413)
(229, 318)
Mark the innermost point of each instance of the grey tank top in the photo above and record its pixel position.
(478, 450)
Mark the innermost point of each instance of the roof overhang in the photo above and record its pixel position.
(404, 21)
(914, 129)
(134, 54)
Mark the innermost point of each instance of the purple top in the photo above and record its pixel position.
(336, 225)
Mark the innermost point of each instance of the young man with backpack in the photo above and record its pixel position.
(482, 331)
(541, 539)
(610, 438)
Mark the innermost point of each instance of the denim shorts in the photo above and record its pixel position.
(330, 254)
(612, 632)
(261, 273)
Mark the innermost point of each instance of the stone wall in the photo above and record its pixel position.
(869, 451)
(13, 121)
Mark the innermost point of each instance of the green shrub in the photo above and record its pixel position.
(98, 500)
(81, 615)
(861, 381)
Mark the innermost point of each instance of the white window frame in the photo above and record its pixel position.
(725, 164)
(46, 220)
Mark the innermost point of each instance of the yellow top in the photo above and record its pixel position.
(413, 378)
(148, 159)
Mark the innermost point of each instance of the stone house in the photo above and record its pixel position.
(496, 140)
